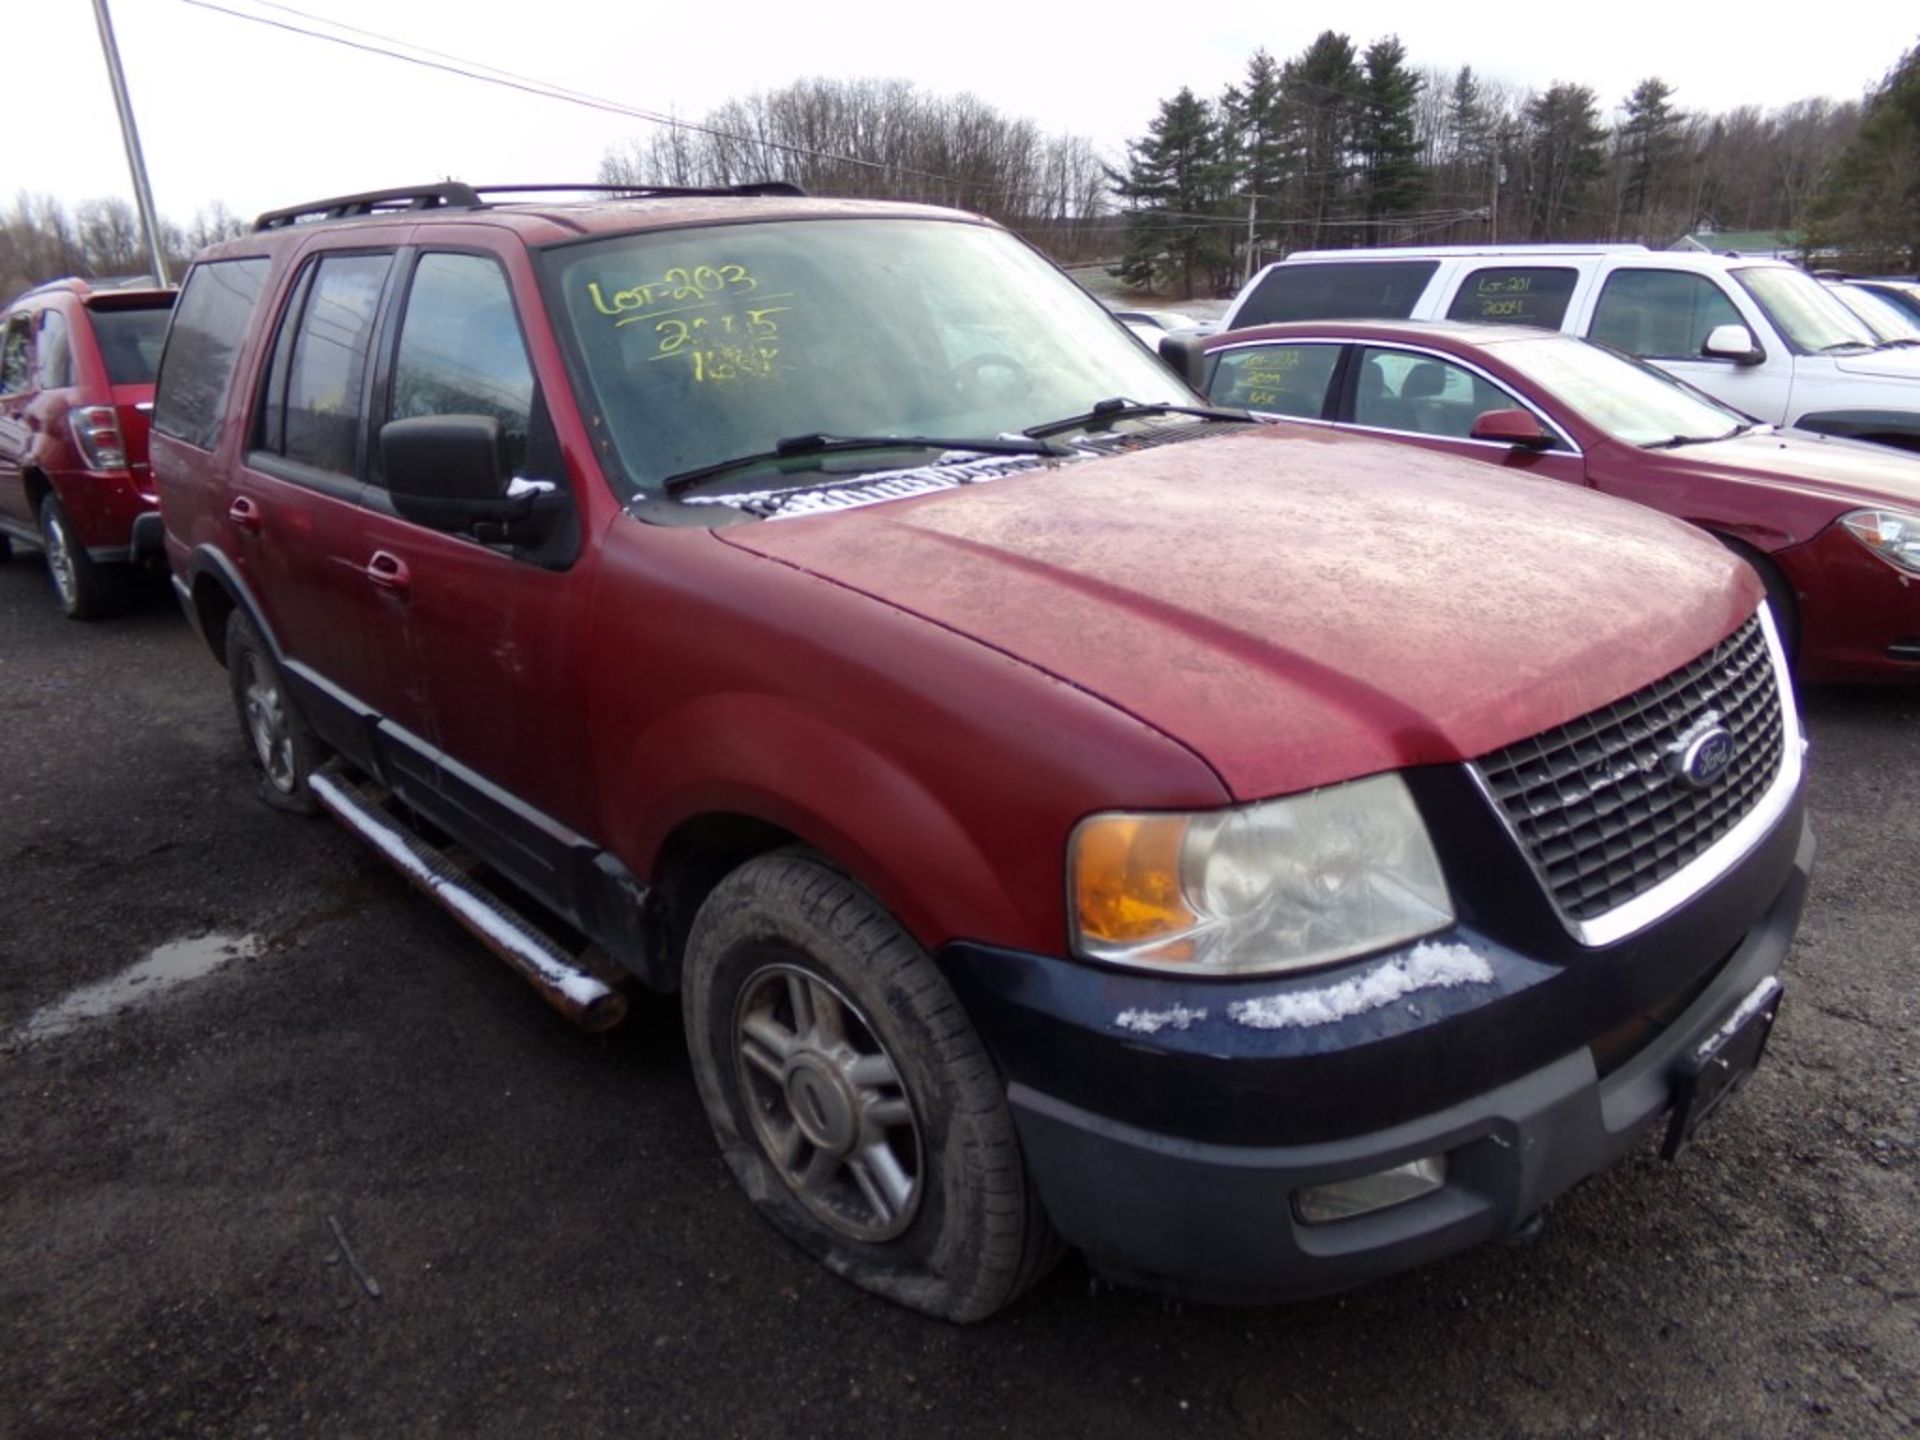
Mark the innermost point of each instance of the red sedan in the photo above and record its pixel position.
(1831, 525)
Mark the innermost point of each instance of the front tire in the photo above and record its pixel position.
(278, 739)
(85, 589)
(851, 1097)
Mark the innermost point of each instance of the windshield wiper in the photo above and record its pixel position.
(797, 445)
(1674, 442)
(1101, 416)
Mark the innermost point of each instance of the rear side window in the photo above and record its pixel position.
(316, 391)
(53, 365)
(1365, 290)
(16, 355)
(1662, 314)
(1275, 379)
(461, 351)
(208, 325)
(130, 342)
(1422, 394)
(1515, 295)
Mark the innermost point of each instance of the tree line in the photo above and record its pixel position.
(41, 240)
(887, 139)
(1342, 146)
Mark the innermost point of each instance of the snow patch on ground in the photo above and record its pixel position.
(1152, 1022)
(1425, 967)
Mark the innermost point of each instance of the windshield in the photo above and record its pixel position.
(702, 345)
(1888, 322)
(1630, 401)
(1801, 309)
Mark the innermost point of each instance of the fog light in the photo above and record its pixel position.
(1363, 1194)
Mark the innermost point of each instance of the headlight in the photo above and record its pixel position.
(1889, 534)
(1275, 886)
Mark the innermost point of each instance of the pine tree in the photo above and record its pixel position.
(1173, 187)
(1322, 96)
(1649, 145)
(1388, 151)
(1566, 154)
(1872, 201)
(1259, 158)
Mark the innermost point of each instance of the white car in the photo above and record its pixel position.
(1760, 335)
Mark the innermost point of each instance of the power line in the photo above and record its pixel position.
(472, 70)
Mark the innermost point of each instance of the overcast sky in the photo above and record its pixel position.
(258, 117)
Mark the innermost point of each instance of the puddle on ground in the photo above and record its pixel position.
(170, 965)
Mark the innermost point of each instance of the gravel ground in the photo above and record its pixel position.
(558, 1249)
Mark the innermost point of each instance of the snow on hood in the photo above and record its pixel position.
(1297, 606)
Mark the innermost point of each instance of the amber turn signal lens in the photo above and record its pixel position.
(1126, 874)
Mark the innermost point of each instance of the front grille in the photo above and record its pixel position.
(1598, 802)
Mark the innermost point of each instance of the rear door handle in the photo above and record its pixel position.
(245, 513)
(389, 572)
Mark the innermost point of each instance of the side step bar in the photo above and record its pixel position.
(563, 980)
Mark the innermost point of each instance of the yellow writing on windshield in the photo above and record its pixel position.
(679, 285)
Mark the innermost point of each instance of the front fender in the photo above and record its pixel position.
(768, 758)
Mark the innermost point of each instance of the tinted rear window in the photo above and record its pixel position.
(130, 342)
(1364, 290)
(209, 323)
(1515, 295)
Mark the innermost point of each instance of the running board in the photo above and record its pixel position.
(564, 981)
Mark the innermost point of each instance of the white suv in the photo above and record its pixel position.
(1762, 335)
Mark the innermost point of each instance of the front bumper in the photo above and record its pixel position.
(1214, 1219)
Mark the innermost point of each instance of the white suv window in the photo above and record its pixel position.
(1665, 314)
(1516, 295)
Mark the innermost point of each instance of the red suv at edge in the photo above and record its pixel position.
(1260, 858)
(76, 384)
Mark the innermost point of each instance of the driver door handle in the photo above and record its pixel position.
(389, 572)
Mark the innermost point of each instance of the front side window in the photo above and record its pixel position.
(326, 370)
(704, 345)
(1802, 310)
(1360, 290)
(214, 311)
(16, 355)
(130, 342)
(1422, 394)
(53, 352)
(1662, 314)
(461, 352)
(1515, 295)
(1275, 379)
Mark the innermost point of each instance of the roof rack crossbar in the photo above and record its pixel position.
(449, 194)
(644, 192)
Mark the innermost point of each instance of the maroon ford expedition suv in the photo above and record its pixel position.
(1260, 858)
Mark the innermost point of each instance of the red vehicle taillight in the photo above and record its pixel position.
(96, 430)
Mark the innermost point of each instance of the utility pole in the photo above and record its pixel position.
(142, 195)
(1252, 201)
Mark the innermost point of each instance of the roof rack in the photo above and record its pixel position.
(454, 195)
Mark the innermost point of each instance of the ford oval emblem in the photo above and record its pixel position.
(1705, 758)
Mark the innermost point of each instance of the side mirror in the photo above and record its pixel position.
(1732, 342)
(449, 471)
(1186, 355)
(1516, 427)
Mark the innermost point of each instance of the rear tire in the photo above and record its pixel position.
(851, 1097)
(86, 589)
(277, 738)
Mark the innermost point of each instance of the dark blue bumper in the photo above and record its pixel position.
(1172, 1158)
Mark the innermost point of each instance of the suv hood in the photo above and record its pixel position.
(1296, 606)
(1902, 363)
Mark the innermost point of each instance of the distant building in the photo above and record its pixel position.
(1752, 244)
